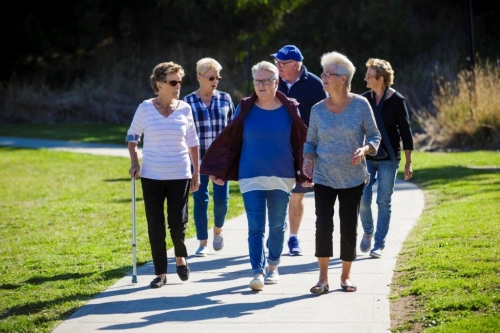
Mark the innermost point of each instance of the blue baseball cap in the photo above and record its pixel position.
(288, 52)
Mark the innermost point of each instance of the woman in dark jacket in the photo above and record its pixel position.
(392, 117)
(262, 149)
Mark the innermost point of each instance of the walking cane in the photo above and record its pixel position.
(134, 259)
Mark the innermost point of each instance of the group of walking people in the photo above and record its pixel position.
(296, 133)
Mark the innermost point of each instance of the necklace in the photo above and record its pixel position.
(338, 108)
(166, 110)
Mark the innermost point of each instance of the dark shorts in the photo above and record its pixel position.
(301, 189)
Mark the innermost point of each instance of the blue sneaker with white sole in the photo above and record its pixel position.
(294, 247)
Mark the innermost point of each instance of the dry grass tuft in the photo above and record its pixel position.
(467, 112)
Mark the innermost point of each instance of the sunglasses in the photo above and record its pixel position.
(212, 78)
(173, 83)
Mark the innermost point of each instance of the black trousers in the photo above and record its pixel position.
(176, 192)
(349, 200)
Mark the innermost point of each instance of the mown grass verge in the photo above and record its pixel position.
(448, 274)
(65, 233)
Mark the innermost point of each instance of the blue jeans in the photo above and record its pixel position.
(385, 173)
(255, 207)
(200, 207)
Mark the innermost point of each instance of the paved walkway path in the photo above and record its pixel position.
(217, 298)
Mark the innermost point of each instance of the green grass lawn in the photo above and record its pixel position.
(65, 235)
(66, 231)
(90, 133)
(448, 273)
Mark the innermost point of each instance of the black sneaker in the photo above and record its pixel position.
(158, 282)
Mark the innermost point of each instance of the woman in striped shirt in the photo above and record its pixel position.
(170, 150)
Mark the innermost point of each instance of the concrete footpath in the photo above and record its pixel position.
(216, 298)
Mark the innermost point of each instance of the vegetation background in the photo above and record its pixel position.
(90, 61)
(71, 66)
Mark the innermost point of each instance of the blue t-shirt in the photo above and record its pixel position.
(266, 161)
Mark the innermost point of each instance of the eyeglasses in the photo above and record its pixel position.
(173, 83)
(368, 76)
(265, 82)
(327, 75)
(212, 78)
(280, 63)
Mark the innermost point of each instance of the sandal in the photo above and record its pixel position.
(183, 272)
(350, 288)
(319, 289)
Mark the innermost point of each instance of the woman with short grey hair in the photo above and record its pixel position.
(341, 132)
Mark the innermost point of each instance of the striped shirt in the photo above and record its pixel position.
(165, 151)
(212, 119)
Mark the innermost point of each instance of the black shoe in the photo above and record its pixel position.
(183, 272)
(158, 282)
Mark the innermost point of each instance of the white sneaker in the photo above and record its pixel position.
(272, 277)
(257, 283)
(202, 251)
(376, 253)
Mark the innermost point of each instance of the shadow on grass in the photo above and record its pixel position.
(31, 308)
(113, 180)
(128, 200)
(427, 177)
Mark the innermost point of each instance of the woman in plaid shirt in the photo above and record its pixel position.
(212, 110)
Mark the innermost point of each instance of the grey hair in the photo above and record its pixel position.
(342, 65)
(265, 66)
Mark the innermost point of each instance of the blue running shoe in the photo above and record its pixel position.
(294, 247)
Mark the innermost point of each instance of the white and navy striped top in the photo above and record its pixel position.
(166, 141)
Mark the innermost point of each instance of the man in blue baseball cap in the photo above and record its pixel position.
(288, 52)
(307, 89)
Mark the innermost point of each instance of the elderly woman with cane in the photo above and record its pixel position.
(169, 152)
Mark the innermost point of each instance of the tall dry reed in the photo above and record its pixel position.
(466, 113)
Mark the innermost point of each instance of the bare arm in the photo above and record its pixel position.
(135, 167)
(195, 180)
(408, 168)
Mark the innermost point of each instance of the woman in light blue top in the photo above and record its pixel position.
(342, 130)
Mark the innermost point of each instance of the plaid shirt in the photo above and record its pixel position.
(210, 120)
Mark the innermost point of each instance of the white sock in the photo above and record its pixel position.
(292, 235)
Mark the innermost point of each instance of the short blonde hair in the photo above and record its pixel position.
(265, 66)
(205, 64)
(382, 68)
(343, 65)
(161, 71)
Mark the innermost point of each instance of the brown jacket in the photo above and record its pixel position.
(222, 158)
